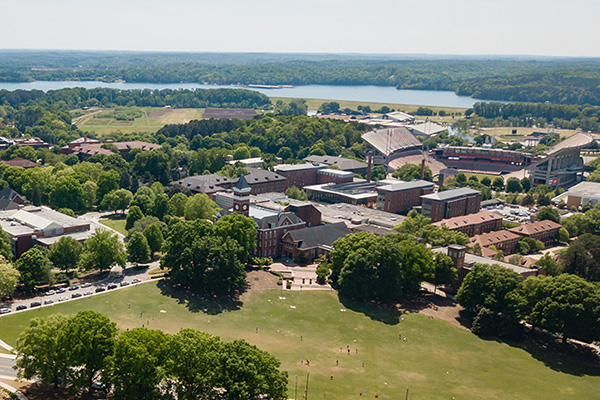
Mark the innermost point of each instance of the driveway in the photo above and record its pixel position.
(94, 220)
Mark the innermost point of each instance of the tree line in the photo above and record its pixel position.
(85, 350)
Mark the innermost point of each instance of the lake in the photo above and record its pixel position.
(375, 94)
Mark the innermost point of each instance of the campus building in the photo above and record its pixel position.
(544, 231)
(30, 226)
(473, 224)
(402, 196)
(310, 243)
(502, 240)
(344, 164)
(581, 194)
(259, 180)
(451, 203)
(89, 147)
(485, 159)
(389, 144)
(562, 164)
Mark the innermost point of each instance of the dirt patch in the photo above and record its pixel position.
(157, 113)
(238, 113)
(261, 280)
(436, 306)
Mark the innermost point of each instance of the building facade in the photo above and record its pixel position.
(501, 240)
(402, 196)
(451, 203)
(473, 224)
(544, 231)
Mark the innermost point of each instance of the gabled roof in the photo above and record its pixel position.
(20, 162)
(8, 193)
(466, 220)
(277, 220)
(205, 183)
(493, 238)
(322, 235)
(536, 227)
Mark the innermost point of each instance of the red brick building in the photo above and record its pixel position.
(544, 231)
(402, 196)
(312, 242)
(473, 224)
(300, 175)
(259, 180)
(501, 240)
(328, 175)
(451, 203)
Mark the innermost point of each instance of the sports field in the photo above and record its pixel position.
(150, 120)
(437, 361)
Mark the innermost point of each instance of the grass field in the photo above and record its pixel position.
(505, 133)
(117, 223)
(438, 361)
(151, 121)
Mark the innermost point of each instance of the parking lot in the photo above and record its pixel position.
(512, 212)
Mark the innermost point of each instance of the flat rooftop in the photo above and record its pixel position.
(451, 194)
(588, 189)
(299, 167)
(401, 186)
(355, 190)
(355, 215)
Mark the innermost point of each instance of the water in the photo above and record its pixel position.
(375, 94)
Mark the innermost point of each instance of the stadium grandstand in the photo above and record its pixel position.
(482, 159)
(389, 144)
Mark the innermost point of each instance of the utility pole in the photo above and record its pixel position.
(306, 390)
(406, 393)
(296, 391)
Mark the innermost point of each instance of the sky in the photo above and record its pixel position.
(469, 27)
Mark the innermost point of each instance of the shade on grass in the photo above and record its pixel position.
(438, 360)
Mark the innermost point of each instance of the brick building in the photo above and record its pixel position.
(312, 242)
(299, 175)
(544, 231)
(501, 240)
(451, 203)
(344, 164)
(402, 196)
(473, 224)
(259, 180)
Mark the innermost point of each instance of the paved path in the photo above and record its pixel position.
(94, 219)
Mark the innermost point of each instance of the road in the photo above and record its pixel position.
(6, 370)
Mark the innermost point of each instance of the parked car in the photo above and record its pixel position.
(100, 289)
(74, 287)
(111, 286)
(75, 295)
(21, 307)
(35, 304)
(63, 298)
(61, 290)
(136, 280)
(49, 301)
(87, 292)
(86, 285)
(124, 283)
(5, 310)
(49, 293)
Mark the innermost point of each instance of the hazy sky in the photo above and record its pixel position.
(540, 27)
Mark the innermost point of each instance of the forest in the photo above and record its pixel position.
(561, 81)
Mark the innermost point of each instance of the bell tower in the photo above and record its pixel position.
(241, 197)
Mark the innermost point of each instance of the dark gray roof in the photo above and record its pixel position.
(257, 175)
(376, 230)
(449, 171)
(205, 183)
(6, 204)
(242, 183)
(274, 221)
(8, 193)
(398, 187)
(345, 164)
(323, 235)
(451, 194)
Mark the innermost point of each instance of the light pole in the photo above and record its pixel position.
(306, 390)
(296, 391)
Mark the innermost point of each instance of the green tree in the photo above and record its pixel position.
(513, 185)
(89, 339)
(138, 250)
(107, 182)
(582, 257)
(378, 172)
(66, 253)
(551, 267)
(241, 153)
(409, 172)
(293, 192)
(240, 228)
(9, 277)
(548, 213)
(117, 200)
(161, 206)
(67, 192)
(565, 304)
(200, 206)
(563, 235)
(177, 204)
(102, 250)
(144, 198)
(137, 364)
(527, 245)
(444, 272)
(34, 267)
(285, 153)
(5, 246)
(486, 181)
(154, 237)
(40, 353)
(134, 214)
(498, 183)
(526, 184)
(246, 372)
(90, 188)
(489, 286)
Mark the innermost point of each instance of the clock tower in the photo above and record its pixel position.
(241, 197)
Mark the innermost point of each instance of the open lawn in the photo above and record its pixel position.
(506, 135)
(438, 360)
(152, 119)
(115, 222)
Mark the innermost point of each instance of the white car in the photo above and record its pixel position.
(5, 310)
(62, 298)
(86, 285)
(136, 280)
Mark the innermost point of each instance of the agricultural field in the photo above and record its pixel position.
(351, 348)
(133, 119)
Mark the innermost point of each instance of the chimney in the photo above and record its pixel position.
(423, 168)
(85, 137)
(369, 165)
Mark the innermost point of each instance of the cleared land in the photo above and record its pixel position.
(117, 223)
(239, 113)
(438, 360)
(151, 120)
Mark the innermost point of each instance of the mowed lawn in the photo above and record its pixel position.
(118, 224)
(438, 360)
